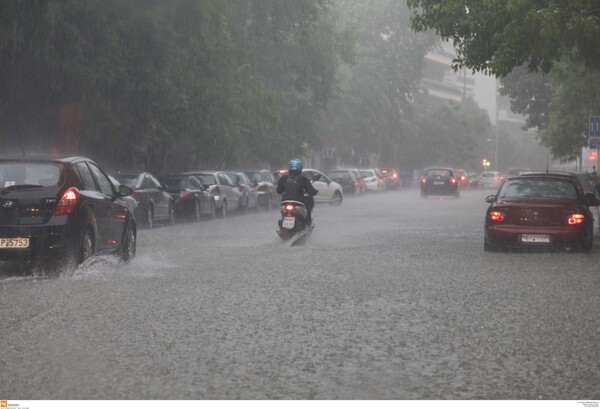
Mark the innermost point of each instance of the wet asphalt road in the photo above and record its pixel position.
(392, 297)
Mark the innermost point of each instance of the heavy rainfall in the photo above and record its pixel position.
(158, 238)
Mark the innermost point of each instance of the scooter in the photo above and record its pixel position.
(293, 223)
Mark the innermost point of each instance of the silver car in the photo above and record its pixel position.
(221, 187)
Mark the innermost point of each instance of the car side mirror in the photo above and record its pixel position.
(125, 190)
(491, 198)
(592, 200)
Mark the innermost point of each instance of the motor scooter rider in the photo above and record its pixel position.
(295, 186)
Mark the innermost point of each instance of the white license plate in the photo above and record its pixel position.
(535, 238)
(439, 183)
(288, 222)
(18, 243)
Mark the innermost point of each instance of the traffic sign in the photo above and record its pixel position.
(594, 142)
(594, 126)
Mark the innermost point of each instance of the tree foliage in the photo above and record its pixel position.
(499, 35)
(167, 84)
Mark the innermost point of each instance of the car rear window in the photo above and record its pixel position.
(339, 175)
(367, 173)
(128, 180)
(44, 174)
(438, 172)
(255, 176)
(538, 188)
(177, 182)
(207, 180)
(488, 175)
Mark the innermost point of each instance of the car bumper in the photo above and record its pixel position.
(511, 236)
(442, 190)
(44, 242)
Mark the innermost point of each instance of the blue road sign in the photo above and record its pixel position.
(594, 142)
(594, 127)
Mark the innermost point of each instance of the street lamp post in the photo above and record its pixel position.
(497, 126)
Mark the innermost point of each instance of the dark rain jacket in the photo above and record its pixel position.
(295, 191)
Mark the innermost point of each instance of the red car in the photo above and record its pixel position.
(540, 210)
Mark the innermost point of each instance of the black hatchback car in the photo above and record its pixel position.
(62, 209)
(439, 181)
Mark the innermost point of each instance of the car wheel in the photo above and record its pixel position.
(171, 215)
(223, 211)
(149, 220)
(587, 241)
(86, 247)
(197, 215)
(337, 198)
(129, 246)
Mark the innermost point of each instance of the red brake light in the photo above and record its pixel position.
(67, 202)
(453, 181)
(462, 178)
(289, 207)
(424, 180)
(497, 216)
(184, 194)
(576, 219)
(395, 176)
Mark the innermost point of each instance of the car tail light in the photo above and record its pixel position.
(263, 188)
(184, 194)
(357, 184)
(67, 202)
(241, 187)
(424, 180)
(462, 178)
(216, 191)
(395, 176)
(576, 218)
(453, 181)
(497, 216)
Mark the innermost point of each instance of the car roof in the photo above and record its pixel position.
(44, 159)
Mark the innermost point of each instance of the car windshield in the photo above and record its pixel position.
(128, 180)
(538, 188)
(39, 174)
(207, 180)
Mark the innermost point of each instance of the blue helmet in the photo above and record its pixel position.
(295, 164)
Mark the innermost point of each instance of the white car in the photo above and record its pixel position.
(374, 182)
(490, 180)
(329, 191)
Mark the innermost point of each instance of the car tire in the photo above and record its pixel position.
(336, 199)
(171, 220)
(85, 249)
(197, 212)
(129, 245)
(223, 210)
(587, 241)
(149, 217)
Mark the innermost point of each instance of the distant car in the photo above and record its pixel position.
(374, 182)
(329, 191)
(490, 180)
(347, 180)
(540, 209)
(264, 183)
(393, 180)
(192, 199)
(472, 181)
(461, 177)
(220, 186)
(131, 202)
(62, 209)
(439, 181)
(155, 204)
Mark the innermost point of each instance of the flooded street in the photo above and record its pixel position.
(392, 297)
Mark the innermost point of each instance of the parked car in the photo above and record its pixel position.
(131, 202)
(264, 183)
(192, 199)
(439, 181)
(540, 209)
(62, 209)
(245, 187)
(374, 182)
(347, 180)
(329, 191)
(490, 180)
(221, 188)
(155, 204)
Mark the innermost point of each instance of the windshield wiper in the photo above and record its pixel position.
(20, 187)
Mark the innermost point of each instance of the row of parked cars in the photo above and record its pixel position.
(70, 209)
